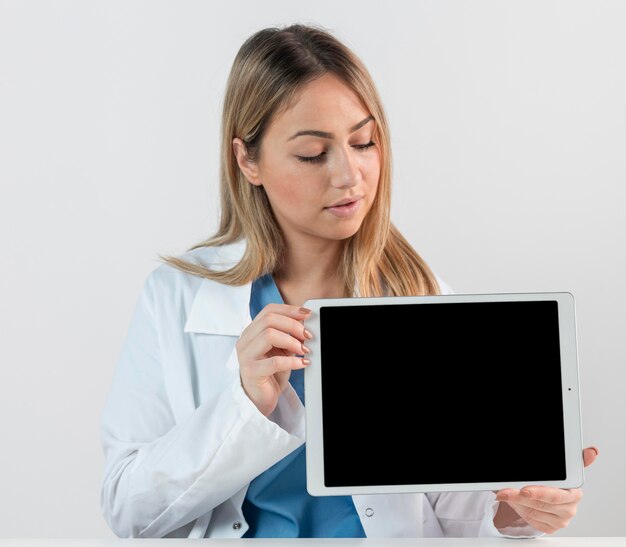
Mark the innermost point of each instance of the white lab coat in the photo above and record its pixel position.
(182, 441)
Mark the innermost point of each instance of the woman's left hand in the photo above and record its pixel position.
(545, 508)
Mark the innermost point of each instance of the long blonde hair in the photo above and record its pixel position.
(269, 69)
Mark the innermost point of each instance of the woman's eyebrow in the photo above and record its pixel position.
(326, 135)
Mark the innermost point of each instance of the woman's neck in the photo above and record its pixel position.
(310, 270)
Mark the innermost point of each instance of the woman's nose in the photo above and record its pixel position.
(345, 170)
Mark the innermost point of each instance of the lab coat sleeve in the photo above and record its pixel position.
(162, 473)
(470, 514)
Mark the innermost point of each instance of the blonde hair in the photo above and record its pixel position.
(270, 68)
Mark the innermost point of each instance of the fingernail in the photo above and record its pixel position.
(306, 362)
(595, 450)
(526, 493)
(502, 497)
(305, 310)
(307, 334)
(305, 349)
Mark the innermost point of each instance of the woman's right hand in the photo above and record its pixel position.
(266, 351)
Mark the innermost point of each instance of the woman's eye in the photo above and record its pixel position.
(312, 159)
(364, 146)
(320, 157)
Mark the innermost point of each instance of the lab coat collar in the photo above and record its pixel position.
(218, 308)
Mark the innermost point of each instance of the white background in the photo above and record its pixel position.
(508, 124)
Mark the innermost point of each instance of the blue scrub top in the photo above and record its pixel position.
(277, 503)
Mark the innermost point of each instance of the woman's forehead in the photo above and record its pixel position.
(326, 104)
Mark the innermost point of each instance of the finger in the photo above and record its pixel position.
(541, 520)
(563, 512)
(589, 455)
(289, 322)
(286, 324)
(538, 505)
(267, 367)
(296, 312)
(507, 494)
(273, 338)
(549, 495)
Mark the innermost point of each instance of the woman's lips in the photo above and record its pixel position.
(345, 210)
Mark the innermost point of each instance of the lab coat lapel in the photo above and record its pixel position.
(218, 308)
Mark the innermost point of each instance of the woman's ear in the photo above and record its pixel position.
(247, 166)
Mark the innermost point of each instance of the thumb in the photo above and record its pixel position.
(589, 455)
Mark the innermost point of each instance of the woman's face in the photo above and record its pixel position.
(315, 154)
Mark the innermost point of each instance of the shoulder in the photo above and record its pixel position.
(218, 257)
(166, 277)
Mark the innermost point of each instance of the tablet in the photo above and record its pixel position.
(442, 393)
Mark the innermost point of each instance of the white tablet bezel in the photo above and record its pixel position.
(570, 392)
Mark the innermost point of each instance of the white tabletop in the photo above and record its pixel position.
(545, 541)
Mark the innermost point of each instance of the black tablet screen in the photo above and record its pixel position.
(441, 393)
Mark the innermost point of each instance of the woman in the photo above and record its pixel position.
(203, 430)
